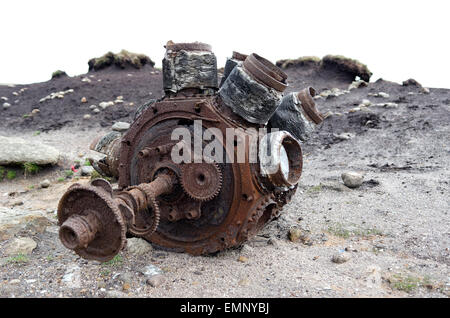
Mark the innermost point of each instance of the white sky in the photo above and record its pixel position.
(396, 39)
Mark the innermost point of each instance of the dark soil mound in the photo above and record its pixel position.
(123, 59)
(328, 72)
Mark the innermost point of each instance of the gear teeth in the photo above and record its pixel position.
(184, 181)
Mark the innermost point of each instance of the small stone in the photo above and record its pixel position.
(6, 105)
(353, 110)
(3, 98)
(14, 281)
(243, 259)
(15, 94)
(35, 111)
(151, 270)
(44, 183)
(121, 126)
(357, 84)
(391, 105)
(155, 280)
(126, 286)
(87, 170)
(87, 116)
(119, 97)
(352, 179)
(118, 101)
(20, 245)
(104, 105)
(96, 110)
(340, 258)
(138, 246)
(411, 82)
(366, 102)
(72, 276)
(16, 203)
(425, 90)
(115, 294)
(84, 100)
(344, 136)
(93, 107)
(294, 234)
(244, 282)
(383, 95)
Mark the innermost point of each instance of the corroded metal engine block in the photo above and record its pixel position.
(197, 171)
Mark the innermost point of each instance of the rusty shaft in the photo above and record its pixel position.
(80, 229)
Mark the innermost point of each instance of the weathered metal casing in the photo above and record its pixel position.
(189, 65)
(297, 114)
(254, 89)
(236, 59)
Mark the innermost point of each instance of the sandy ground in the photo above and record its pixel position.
(395, 227)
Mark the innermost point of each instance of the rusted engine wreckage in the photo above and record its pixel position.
(195, 206)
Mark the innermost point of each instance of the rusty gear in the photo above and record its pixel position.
(201, 181)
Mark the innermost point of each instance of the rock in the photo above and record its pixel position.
(352, 179)
(87, 170)
(425, 90)
(96, 110)
(366, 102)
(93, 107)
(294, 234)
(138, 246)
(344, 136)
(411, 82)
(155, 280)
(6, 105)
(151, 270)
(14, 221)
(20, 245)
(391, 105)
(354, 110)
(126, 286)
(35, 111)
(116, 294)
(87, 116)
(14, 281)
(84, 100)
(340, 258)
(118, 101)
(126, 278)
(16, 203)
(383, 95)
(104, 105)
(18, 151)
(357, 84)
(388, 105)
(3, 98)
(44, 183)
(119, 97)
(72, 276)
(243, 259)
(244, 282)
(121, 126)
